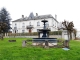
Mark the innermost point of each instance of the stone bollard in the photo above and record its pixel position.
(24, 43)
(46, 44)
(66, 43)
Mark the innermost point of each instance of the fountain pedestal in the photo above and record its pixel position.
(44, 32)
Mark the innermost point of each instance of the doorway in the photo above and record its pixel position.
(30, 30)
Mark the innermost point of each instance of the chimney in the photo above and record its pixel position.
(36, 14)
(55, 16)
(22, 16)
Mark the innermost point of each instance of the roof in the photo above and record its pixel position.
(32, 17)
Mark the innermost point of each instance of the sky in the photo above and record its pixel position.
(64, 9)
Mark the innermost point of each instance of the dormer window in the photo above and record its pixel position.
(38, 23)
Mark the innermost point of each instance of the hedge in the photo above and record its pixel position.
(34, 33)
(55, 33)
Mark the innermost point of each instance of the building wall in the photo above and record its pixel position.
(78, 34)
(51, 21)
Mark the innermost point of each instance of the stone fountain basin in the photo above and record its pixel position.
(51, 41)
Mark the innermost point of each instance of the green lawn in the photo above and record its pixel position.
(15, 51)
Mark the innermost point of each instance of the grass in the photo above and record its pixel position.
(15, 51)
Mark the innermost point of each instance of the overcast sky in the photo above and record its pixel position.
(64, 9)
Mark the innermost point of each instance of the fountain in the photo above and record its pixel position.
(44, 30)
(44, 40)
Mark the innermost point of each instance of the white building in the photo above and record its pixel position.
(78, 34)
(21, 25)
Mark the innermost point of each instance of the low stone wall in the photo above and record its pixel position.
(22, 36)
(51, 36)
(43, 44)
(55, 36)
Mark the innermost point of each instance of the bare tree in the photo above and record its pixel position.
(69, 27)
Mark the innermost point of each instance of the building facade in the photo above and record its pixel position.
(33, 23)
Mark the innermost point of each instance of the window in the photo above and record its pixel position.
(15, 28)
(15, 25)
(55, 24)
(37, 30)
(23, 31)
(47, 24)
(23, 25)
(17, 31)
(38, 23)
(29, 23)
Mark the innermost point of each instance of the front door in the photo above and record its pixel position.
(30, 31)
(15, 31)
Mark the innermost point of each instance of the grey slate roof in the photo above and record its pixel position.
(32, 17)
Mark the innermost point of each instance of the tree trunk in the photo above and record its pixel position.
(1, 36)
(66, 42)
(70, 35)
(75, 36)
